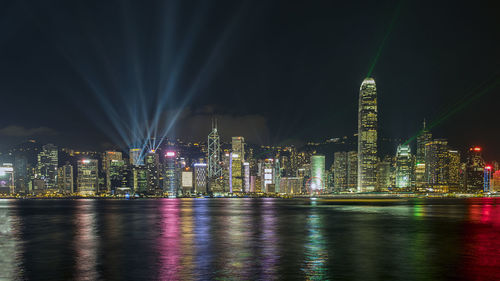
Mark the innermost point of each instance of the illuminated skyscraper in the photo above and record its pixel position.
(436, 165)
(384, 169)
(454, 169)
(135, 156)
(107, 158)
(237, 159)
(47, 165)
(6, 178)
(291, 185)
(345, 170)
(87, 178)
(404, 166)
(65, 179)
(238, 147)
(367, 136)
(317, 183)
(423, 138)
(152, 165)
(213, 154)
(140, 179)
(352, 170)
(268, 176)
(186, 181)
(200, 177)
(171, 181)
(495, 182)
(236, 164)
(246, 177)
(286, 163)
(22, 178)
(474, 178)
(114, 175)
(340, 171)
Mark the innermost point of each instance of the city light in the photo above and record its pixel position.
(325, 164)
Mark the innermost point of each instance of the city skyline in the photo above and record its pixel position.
(249, 140)
(214, 168)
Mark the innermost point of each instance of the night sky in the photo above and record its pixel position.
(272, 71)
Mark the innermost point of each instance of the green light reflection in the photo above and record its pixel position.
(316, 255)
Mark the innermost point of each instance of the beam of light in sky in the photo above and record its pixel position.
(206, 72)
(139, 119)
(384, 40)
(86, 76)
(168, 85)
(211, 64)
(471, 96)
(129, 134)
(117, 79)
(121, 127)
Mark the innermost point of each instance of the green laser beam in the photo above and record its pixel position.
(468, 95)
(384, 40)
(469, 98)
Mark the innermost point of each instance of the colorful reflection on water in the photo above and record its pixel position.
(10, 242)
(169, 240)
(248, 239)
(85, 241)
(316, 254)
(269, 257)
(481, 239)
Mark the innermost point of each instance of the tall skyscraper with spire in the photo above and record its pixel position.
(214, 167)
(423, 138)
(367, 136)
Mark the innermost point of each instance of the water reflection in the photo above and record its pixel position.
(203, 240)
(169, 263)
(418, 210)
(10, 244)
(481, 257)
(316, 254)
(233, 239)
(251, 239)
(187, 240)
(269, 240)
(86, 240)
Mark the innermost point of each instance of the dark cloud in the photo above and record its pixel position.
(195, 125)
(19, 131)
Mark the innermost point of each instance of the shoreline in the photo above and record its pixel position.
(365, 196)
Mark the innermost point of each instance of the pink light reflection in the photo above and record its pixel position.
(481, 256)
(169, 242)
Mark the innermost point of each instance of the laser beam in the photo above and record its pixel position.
(477, 92)
(384, 40)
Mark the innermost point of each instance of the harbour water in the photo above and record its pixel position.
(250, 239)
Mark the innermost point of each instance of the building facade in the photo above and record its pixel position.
(318, 179)
(47, 165)
(87, 177)
(404, 167)
(367, 136)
